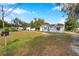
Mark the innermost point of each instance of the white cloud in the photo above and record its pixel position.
(62, 20)
(7, 19)
(21, 11)
(18, 11)
(57, 8)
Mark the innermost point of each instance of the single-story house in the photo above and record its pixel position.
(24, 28)
(19, 28)
(30, 29)
(45, 28)
(52, 28)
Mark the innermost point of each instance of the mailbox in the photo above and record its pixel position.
(5, 33)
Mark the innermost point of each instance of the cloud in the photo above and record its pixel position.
(8, 19)
(18, 11)
(62, 20)
(21, 11)
(57, 8)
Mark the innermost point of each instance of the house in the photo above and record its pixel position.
(24, 28)
(45, 28)
(52, 28)
(30, 29)
(19, 28)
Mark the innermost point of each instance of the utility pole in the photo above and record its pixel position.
(3, 16)
(5, 40)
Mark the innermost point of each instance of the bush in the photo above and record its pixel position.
(13, 30)
(7, 30)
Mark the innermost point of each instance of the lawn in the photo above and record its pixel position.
(35, 43)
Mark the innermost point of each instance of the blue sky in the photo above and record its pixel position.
(50, 12)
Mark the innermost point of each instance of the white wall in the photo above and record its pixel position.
(44, 28)
(32, 29)
(28, 28)
(55, 30)
(51, 29)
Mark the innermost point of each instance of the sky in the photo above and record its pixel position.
(50, 12)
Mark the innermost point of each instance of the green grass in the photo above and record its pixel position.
(0, 30)
(36, 43)
(17, 40)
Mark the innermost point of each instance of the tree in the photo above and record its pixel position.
(32, 25)
(17, 22)
(71, 24)
(24, 24)
(1, 23)
(37, 22)
(72, 11)
(5, 23)
(5, 12)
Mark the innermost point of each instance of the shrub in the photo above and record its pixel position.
(7, 30)
(13, 30)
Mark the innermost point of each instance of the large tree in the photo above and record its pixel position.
(16, 22)
(37, 22)
(6, 24)
(71, 24)
(72, 11)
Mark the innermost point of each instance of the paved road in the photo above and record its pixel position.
(75, 43)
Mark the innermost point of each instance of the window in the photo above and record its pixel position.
(58, 28)
(45, 27)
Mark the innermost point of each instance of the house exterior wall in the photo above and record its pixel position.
(44, 28)
(32, 29)
(28, 28)
(51, 29)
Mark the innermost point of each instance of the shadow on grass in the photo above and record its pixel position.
(50, 46)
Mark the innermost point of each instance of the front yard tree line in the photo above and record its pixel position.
(16, 22)
(37, 22)
(72, 11)
(6, 24)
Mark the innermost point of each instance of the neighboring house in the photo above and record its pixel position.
(19, 28)
(52, 28)
(24, 28)
(30, 29)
